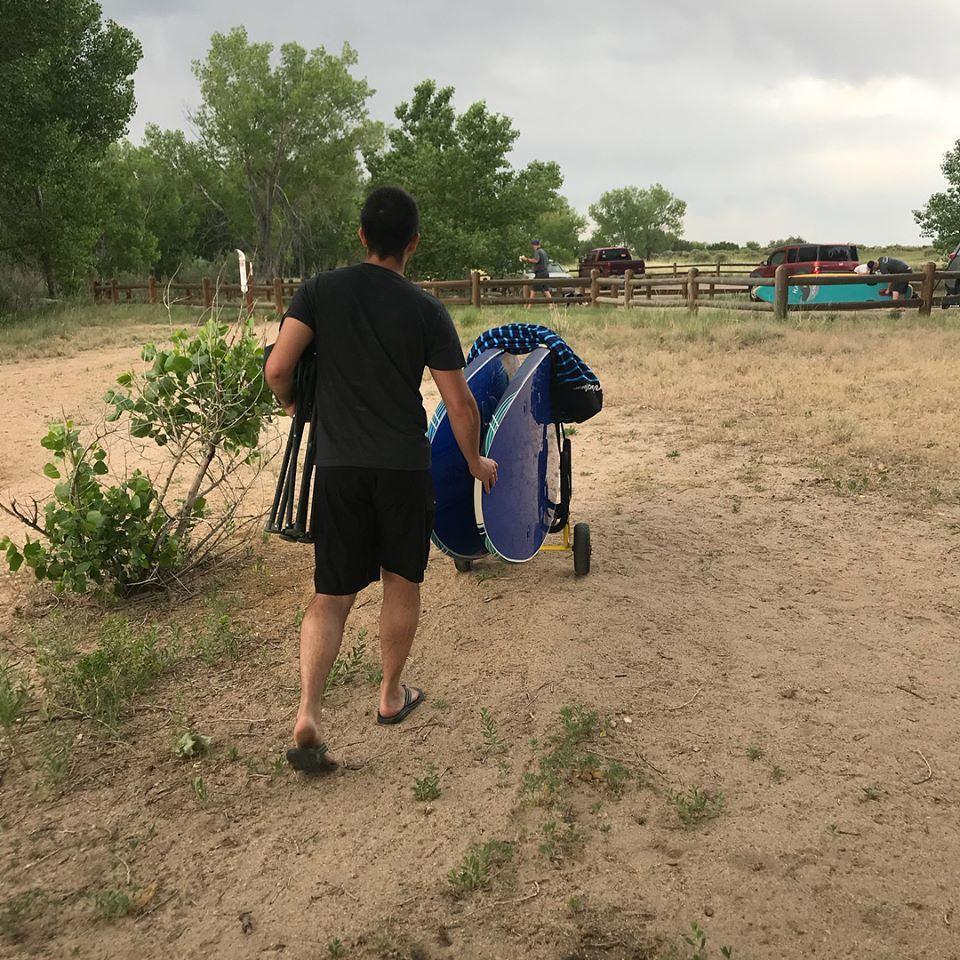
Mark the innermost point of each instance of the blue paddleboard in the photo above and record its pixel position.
(455, 526)
(841, 293)
(515, 517)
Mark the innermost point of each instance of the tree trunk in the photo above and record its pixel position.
(45, 259)
(186, 514)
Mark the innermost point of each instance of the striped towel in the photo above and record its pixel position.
(576, 394)
(525, 338)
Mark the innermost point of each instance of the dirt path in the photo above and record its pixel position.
(791, 649)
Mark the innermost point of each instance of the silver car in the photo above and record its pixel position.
(556, 270)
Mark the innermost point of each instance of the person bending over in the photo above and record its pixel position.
(374, 333)
(891, 265)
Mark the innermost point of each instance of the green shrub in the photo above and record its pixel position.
(112, 536)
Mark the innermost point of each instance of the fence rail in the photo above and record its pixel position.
(692, 289)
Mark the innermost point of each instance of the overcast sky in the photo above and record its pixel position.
(827, 120)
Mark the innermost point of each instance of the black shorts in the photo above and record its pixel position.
(366, 518)
(541, 283)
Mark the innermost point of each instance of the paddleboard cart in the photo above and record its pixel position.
(575, 538)
(531, 499)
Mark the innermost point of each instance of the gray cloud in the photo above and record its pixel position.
(766, 119)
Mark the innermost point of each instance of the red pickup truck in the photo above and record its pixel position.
(611, 262)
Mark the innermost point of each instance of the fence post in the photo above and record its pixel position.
(475, 289)
(594, 286)
(926, 288)
(278, 294)
(675, 271)
(207, 293)
(114, 290)
(718, 266)
(152, 288)
(628, 288)
(692, 289)
(781, 291)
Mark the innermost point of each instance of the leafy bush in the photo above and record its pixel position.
(204, 401)
(112, 536)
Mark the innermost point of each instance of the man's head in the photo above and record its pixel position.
(871, 265)
(535, 244)
(390, 224)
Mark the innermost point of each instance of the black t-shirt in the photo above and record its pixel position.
(374, 333)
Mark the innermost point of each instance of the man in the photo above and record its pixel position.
(541, 271)
(891, 265)
(867, 267)
(373, 333)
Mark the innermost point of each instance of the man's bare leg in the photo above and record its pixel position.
(399, 616)
(320, 636)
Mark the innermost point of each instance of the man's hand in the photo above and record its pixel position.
(281, 365)
(485, 470)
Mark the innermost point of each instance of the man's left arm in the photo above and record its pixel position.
(294, 338)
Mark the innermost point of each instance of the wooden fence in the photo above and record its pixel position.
(692, 289)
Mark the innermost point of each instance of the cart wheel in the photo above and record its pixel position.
(463, 566)
(581, 549)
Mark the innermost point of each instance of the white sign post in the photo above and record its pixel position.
(243, 271)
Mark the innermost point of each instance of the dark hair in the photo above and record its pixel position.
(390, 220)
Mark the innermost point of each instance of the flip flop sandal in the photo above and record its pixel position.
(312, 760)
(409, 705)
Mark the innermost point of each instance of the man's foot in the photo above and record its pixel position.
(309, 755)
(313, 760)
(412, 698)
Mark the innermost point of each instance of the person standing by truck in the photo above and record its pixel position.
(541, 271)
(892, 266)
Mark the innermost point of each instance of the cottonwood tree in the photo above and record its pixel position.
(475, 209)
(67, 78)
(646, 220)
(939, 218)
(289, 136)
(126, 243)
(560, 230)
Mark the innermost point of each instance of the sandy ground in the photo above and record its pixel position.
(759, 622)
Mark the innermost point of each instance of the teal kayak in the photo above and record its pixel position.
(839, 293)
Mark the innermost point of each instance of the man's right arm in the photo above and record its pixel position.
(465, 422)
